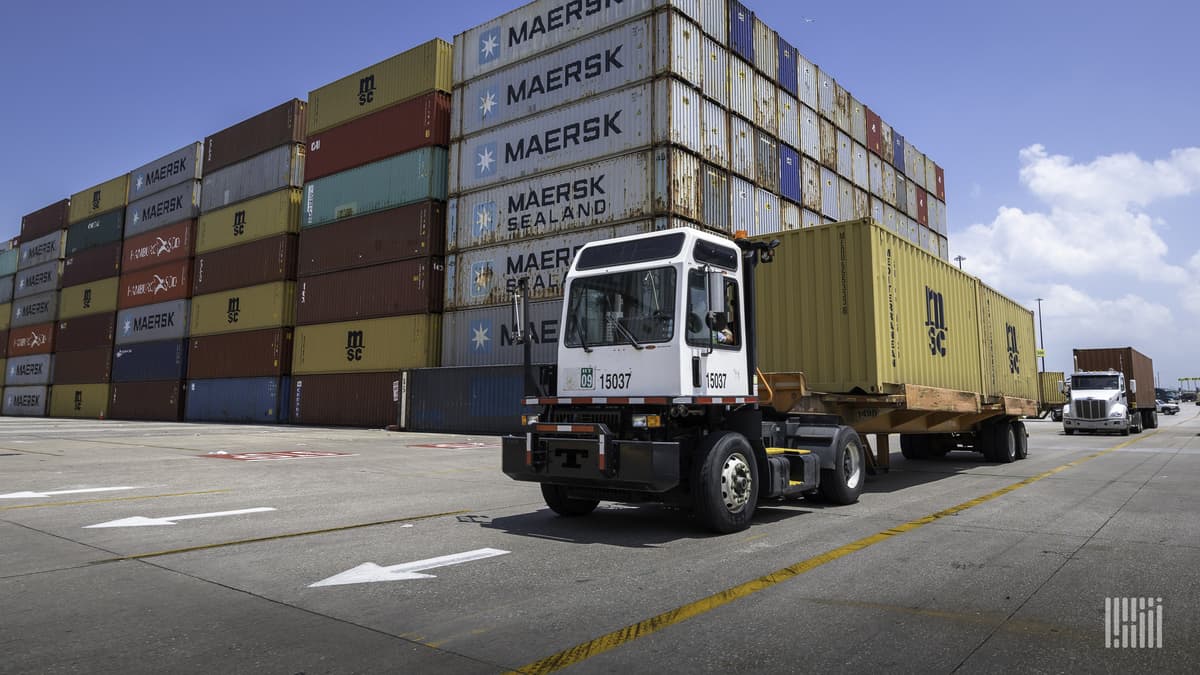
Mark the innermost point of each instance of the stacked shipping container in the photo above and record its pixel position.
(8, 270)
(370, 274)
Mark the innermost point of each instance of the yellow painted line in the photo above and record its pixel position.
(277, 537)
(109, 500)
(621, 636)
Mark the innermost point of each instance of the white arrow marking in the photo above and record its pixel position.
(142, 521)
(370, 572)
(36, 495)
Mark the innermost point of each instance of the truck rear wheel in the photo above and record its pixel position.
(558, 501)
(913, 446)
(844, 482)
(999, 443)
(725, 482)
(1022, 439)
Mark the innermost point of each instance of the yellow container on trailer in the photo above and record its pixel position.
(270, 305)
(88, 401)
(93, 297)
(1051, 394)
(369, 345)
(266, 216)
(1008, 346)
(109, 195)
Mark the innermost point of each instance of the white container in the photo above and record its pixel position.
(680, 56)
(789, 216)
(931, 177)
(858, 165)
(788, 112)
(889, 150)
(875, 175)
(716, 71)
(888, 189)
(714, 198)
(830, 199)
(891, 219)
(715, 144)
(714, 17)
(825, 95)
(677, 179)
(741, 147)
(914, 164)
(272, 170)
(810, 218)
(846, 210)
(806, 73)
(862, 203)
(943, 248)
(877, 209)
(741, 88)
(764, 104)
(766, 212)
(741, 205)
(766, 161)
(810, 186)
(858, 121)
(845, 155)
(810, 133)
(841, 108)
(766, 53)
(910, 200)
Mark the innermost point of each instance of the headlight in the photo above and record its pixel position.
(1117, 413)
(647, 421)
(526, 420)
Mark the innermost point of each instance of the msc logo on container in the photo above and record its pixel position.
(366, 90)
(355, 345)
(489, 45)
(935, 321)
(87, 298)
(1014, 352)
(95, 200)
(78, 400)
(234, 310)
(239, 223)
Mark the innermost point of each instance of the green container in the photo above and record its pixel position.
(103, 229)
(8, 261)
(404, 179)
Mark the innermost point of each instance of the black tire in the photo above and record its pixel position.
(725, 482)
(1022, 437)
(1150, 419)
(1135, 423)
(1125, 431)
(558, 501)
(913, 446)
(844, 483)
(999, 443)
(1069, 432)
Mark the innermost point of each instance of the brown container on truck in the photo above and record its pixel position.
(282, 125)
(391, 289)
(29, 340)
(395, 130)
(256, 353)
(93, 264)
(85, 366)
(172, 281)
(1135, 365)
(159, 401)
(348, 399)
(158, 247)
(45, 220)
(86, 332)
(258, 262)
(412, 231)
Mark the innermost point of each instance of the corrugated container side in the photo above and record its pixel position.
(766, 212)
(810, 192)
(829, 144)
(841, 108)
(897, 151)
(914, 165)
(877, 210)
(846, 208)
(404, 179)
(677, 182)
(886, 143)
(830, 195)
(285, 124)
(930, 176)
(35, 309)
(45, 220)
(1136, 366)
(93, 264)
(680, 123)
(276, 169)
(910, 199)
(163, 321)
(258, 262)
(862, 203)
(943, 248)
(891, 219)
(251, 220)
(416, 71)
(29, 370)
(858, 166)
(826, 96)
(714, 198)
(810, 218)
(5, 315)
(806, 75)
(766, 114)
(396, 130)
(150, 361)
(858, 121)
(158, 284)
(845, 155)
(8, 260)
(253, 400)
(370, 345)
(83, 366)
(158, 247)
(715, 147)
(875, 175)
(38, 279)
(79, 400)
(346, 399)
(789, 173)
(789, 119)
(922, 207)
(714, 16)
(4, 342)
(741, 30)
(680, 55)
(902, 194)
(6, 291)
(889, 184)
(716, 72)
(788, 76)
(270, 305)
(874, 131)
(174, 168)
(484, 336)
(257, 353)
(789, 216)
(109, 195)
(26, 401)
(412, 231)
(766, 161)
(91, 232)
(940, 177)
(741, 146)
(168, 207)
(741, 88)
(85, 332)
(391, 289)
(93, 297)
(41, 250)
(741, 206)
(810, 133)
(29, 340)
(1007, 345)
(480, 400)
(1050, 392)
(153, 401)
(766, 50)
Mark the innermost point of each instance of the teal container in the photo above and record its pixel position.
(8, 262)
(404, 179)
(103, 229)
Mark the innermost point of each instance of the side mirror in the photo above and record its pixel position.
(1062, 387)
(717, 319)
(1133, 386)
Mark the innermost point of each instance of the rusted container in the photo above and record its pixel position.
(940, 177)
(412, 231)
(156, 401)
(161, 283)
(102, 229)
(158, 247)
(79, 400)
(391, 289)
(258, 262)
(282, 125)
(395, 130)
(348, 399)
(256, 353)
(96, 263)
(922, 207)
(98, 199)
(28, 340)
(84, 366)
(45, 220)
(86, 332)
(93, 297)
(874, 132)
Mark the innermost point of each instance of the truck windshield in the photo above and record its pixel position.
(1093, 382)
(627, 308)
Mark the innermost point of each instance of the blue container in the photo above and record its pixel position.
(788, 76)
(741, 31)
(471, 400)
(254, 400)
(898, 150)
(150, 361)
(789, 173)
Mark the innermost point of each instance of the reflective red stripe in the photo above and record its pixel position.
(597, 400)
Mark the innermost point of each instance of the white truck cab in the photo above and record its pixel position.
(1099, 401)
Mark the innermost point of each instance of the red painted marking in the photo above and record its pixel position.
(269, 456)
(454, 446)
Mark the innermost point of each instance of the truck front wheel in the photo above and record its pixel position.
(558, 501)
(725, 482)
(844, 482)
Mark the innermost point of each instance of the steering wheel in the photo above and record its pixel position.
(694, 323)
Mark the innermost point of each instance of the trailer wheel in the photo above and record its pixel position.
(1069, 432)
(558, 501)
(725, 482)
(1022, 439)
(913, 446)
(1150, 419)
(844, 482)
(999, 443)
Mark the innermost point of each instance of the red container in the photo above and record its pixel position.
(86, 366)
(257, 353)
(350, 399)
(45, 220)
(93, 264)
(159, 401)
(874, 132)
(172, 281)
(413, 231)
(922, 207)
(416, 123)
(160, 246)
(403, 287)
(941, 182)
(30, 340)
(258, 262)
(282, 125)
(86, 332)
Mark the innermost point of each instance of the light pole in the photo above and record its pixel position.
(959, 259)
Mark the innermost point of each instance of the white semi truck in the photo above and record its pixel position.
(1104, 392)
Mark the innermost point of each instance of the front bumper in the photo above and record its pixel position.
(1107, 424)
(589, 456)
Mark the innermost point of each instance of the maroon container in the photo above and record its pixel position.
(403, 287)
(922, 207)
(86, 332)
(93, 264)
(159, 401)
(258, 262)
(45, 220)
(160, 246)
(282, 125)
(350, 399)
(941, 182)
(30, 340)
(172, 281)
(874, 132)
(86, 366)
(397, 129)
(412, 231)
(257, 353)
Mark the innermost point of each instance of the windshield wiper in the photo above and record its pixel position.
(624, 331)
(580, 332)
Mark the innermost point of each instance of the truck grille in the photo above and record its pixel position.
(610, 417)
(1091, 409)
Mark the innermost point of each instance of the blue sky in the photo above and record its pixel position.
(1067, 129)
